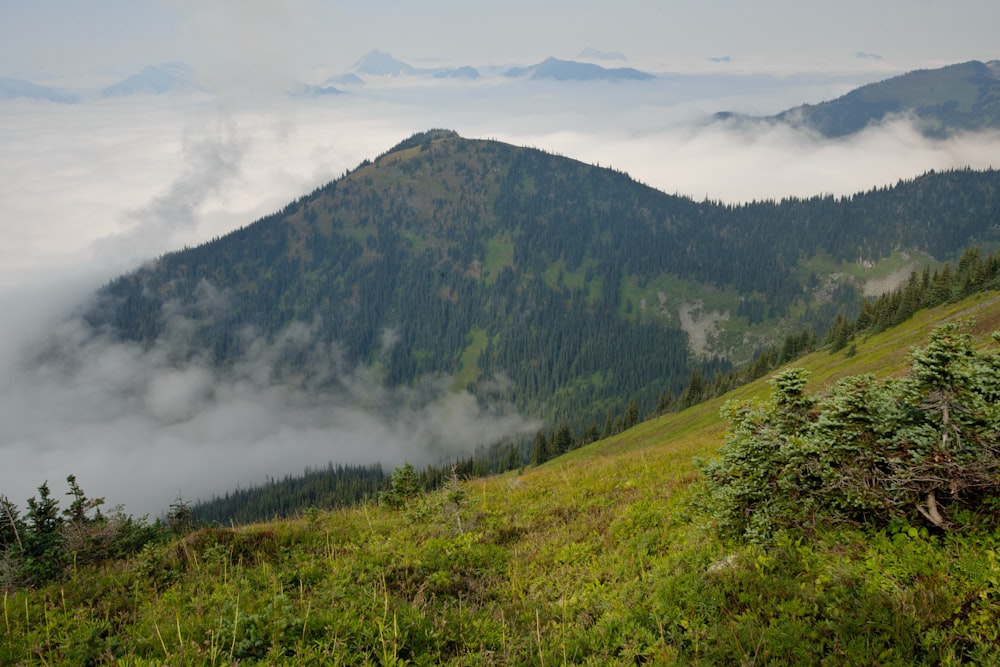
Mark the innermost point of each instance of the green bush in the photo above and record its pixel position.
(923, 449)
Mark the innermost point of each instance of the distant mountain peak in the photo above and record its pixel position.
(423, 139)
(571, 70)
(155, 80)
(14, 88)
(349, 79)
(380, 63)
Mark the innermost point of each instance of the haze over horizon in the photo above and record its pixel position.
(260, 38)
(91, 190)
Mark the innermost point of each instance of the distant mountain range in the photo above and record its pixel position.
(956, 98)
(14, 88)
(561, 286)
(963, 97)
(571, 70)
(155, 80)
(306, 90)
(379, 63)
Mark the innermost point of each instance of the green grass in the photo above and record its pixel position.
(556, 276)
(592, 558)
(469, 364)
(499, 254)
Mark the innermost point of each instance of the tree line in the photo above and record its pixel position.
(973, 273)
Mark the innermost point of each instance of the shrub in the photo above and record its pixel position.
(921, 449)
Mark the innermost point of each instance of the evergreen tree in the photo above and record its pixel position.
(608, 429)
(562, 440)
(180, 517)
(631, 414)
(539, 450)
(12, 526)
(695, 389)
(513, 457)
(404, 485)
(941, 287)
(43, 547)
(76, 513)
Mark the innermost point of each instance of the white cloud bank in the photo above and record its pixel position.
(141, 425)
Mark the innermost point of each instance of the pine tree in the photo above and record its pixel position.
(608, 429)
(11, 525)
(43, 544)
(539, 450)
(562, 440)
(513, 457)
(695, 389)
(76, 513)
(631, 414)
(180, 517)
(403, 486)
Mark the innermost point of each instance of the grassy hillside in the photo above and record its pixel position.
(592, 558)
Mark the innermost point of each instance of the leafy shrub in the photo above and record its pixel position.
(924, 449)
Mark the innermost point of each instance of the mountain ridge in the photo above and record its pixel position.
(485, 260)
(570, 70)
(943, 101)
(155, 80)
(15, 88)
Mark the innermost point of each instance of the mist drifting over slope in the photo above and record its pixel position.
(92, 190)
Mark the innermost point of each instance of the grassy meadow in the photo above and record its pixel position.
(595, 557)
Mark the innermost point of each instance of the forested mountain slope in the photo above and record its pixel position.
(958, 98)
(562, 287)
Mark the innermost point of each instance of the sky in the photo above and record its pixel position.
(91, 190)
(58, 37)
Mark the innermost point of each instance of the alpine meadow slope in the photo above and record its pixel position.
(595, 557)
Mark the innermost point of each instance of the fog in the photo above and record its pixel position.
(90, 191)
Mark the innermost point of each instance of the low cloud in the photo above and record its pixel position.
(212, 155)
(140, 424)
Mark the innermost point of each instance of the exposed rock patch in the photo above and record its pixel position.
(699, 325)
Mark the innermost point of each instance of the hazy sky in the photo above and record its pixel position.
(40, 38)
(91, 190)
